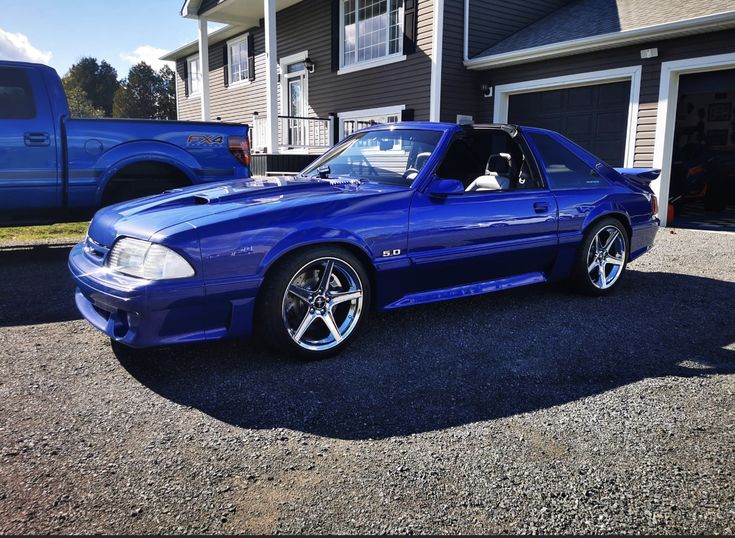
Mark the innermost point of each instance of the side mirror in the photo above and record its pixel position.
(445, 187)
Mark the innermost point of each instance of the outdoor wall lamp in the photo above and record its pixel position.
(309, 64)
(487, 90)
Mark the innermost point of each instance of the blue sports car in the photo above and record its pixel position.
(394, 215)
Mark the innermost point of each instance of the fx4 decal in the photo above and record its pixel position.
(205, 140)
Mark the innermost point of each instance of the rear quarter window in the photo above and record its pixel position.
(16, 96)
(563, 168)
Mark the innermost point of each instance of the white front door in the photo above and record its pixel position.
(294, 100)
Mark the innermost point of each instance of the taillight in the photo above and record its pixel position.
(654, 205)
(239, 146)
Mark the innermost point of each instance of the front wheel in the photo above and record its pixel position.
(602, 258)
(315, 302)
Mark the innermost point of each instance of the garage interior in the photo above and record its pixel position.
(702, 184)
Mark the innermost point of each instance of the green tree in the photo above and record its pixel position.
(80, 106)
(166, 96)
(137, 96)
(98, 80)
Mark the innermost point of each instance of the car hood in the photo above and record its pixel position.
(145, 217)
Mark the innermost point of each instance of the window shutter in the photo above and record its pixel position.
(251, 58)
(186, 77)
(226, 64)
(335, 35)
(407, 114)
(410, 26)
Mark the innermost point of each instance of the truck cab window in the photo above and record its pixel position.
(16, 97)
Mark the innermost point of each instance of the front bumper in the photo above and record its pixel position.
(142, 313)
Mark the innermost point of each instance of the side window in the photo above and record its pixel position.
(563, 168)
(16, 96)
(461, 163)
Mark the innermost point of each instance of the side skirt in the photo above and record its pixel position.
(468, 290)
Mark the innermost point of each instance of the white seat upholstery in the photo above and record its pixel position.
(489, 182)
(494, 178)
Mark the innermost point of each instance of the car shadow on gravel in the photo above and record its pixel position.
(35, 286)
(437, 366)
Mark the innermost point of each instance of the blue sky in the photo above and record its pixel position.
(59, 32)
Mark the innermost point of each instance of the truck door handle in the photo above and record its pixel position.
(541, 207)
(36, 139)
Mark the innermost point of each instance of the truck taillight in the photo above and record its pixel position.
(239, 146)
(654, 205)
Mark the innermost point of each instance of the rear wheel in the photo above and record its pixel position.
(142, 179)
(602, 258)
(314, 303)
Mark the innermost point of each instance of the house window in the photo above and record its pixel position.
(371, 30)
(354, 120)
(237, 59)
(195, 75)
(352, 125)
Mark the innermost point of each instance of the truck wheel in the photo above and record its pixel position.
(142, 179)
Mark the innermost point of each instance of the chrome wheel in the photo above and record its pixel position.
(606, 257)
(322, 303)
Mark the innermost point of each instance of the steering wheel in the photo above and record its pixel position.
(410, 171)
(370, 168)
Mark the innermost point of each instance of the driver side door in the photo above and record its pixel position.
(480, 236)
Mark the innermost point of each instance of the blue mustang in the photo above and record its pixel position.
(394, 215)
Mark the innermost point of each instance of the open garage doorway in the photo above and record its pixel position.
(702, 180)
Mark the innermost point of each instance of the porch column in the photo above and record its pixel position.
(204, 66)
(271, 81)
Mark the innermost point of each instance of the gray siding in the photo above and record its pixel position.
(492, 21)
(460, 87)
(673, 49)
(306, 26)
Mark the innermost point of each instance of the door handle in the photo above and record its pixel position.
(541, 207)
(36, 139)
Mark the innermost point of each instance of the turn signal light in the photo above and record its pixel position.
(239, 146)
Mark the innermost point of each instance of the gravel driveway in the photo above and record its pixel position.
(533, 410)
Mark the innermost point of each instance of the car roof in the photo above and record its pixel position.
(441, 126)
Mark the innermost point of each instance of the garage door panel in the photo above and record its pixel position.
(579, 124)
(580, 98)
(611, 123)
(593, 116)
(552, 101)
(614, 94)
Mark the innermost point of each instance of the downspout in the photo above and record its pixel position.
(204, 66)
(437, 30)
(466, 53)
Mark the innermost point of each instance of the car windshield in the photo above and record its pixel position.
(393, 156)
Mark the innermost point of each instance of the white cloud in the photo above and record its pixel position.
(147, 54)
(17, 47)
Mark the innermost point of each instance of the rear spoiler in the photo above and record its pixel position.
(642, 175)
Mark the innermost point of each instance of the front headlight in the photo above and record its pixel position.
(147, 260)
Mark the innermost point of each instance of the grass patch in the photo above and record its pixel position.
(72, 231)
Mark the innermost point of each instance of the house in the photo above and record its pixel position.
(634, 81)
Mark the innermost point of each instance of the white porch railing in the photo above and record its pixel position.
(314, 135)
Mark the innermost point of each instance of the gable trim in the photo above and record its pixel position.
(718, 21)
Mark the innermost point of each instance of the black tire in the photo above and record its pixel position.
(274, 305)
(122, 190)
(582, 278)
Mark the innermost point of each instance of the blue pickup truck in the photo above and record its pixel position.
(53, 167)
